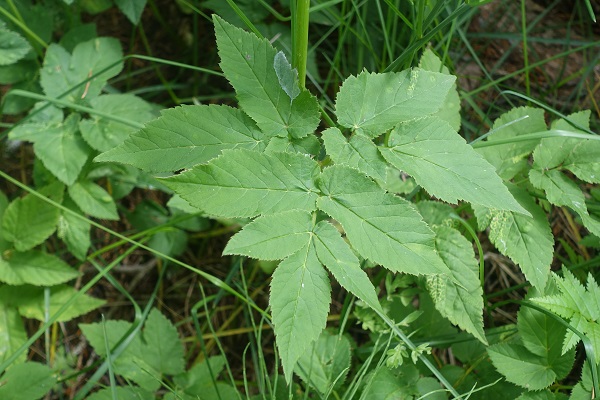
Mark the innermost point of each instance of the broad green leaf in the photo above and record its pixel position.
(528, 241)
(524, 368)
(27, 381)
(93, 200)
(339, 259)
(584, 390)
(162, 347)
(450, 109)
(358, 152)
(12, 331)
(561, 191)
(445, 165)
(13, 47)
(512, 158)
(122, 392)
(374, 103)
(58, 145)
(243, 183)
(21, 71)
(75, 232)
(272, 237)
(199, 381)
(382, 227)
(288, 77)
(461, 299)
(248, 64)
(300, 297)
(543, 395)
(62, 72)
(35, 268)
(132, 9)
(186, 136)
(31, 302)
(436, 213)
(29, 221)
(306, 145)
(104, 134)
(327, 363)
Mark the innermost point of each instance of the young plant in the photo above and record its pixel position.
(265, 161)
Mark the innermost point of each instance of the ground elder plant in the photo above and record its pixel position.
(317, 197)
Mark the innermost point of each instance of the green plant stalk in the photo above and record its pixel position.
(300, 20)
(535, 136)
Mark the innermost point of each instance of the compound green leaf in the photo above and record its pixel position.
(461, 303)
(244, 183)
(93, 200)
(132, 9)
(186, 136)
(29, 221)
(272, 237)
(35, 268)
(30, 301)
(327, 363)
(374, 103)
(300, 297)
(339, 259)
(75, 232)
(358, 152)
(512, 158)
(249, 64)
(104, 134)
(528, 241)
(58, 145)
(12, 331)
(522, 367)
(384, 228)
(13, 47)
(561, 191)
(445, 165)
(27, 381)
(450, 109)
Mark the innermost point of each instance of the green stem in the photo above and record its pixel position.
(300, 20)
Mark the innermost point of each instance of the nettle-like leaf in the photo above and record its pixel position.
(578, 304)
(186, 136)
(12, 331)
(537, 361)
(93, 200)
(35, 268)
(512, 158)
(374, 103)
(27, 381)
(528, 241)
(445, 165)
(243, 183)
(249, 64)
(58, 145)
(382, 227)
(358, 152)
(299, 300)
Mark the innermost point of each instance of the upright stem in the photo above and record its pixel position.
(300, 17)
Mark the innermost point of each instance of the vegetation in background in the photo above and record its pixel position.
(427, 236)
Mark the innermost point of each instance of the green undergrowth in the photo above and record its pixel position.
(316, 213)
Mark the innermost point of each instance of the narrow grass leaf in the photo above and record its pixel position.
(244, 183)
(104, 134)
(248, 64)
(358, 152)
(384, 228)
(27, 381)
(59, 146)
(186, 136)
(461, 303)
(561, 191)
(445, 165)
(93, 200)
(339, 259)
(35, 268)
(300, 297)
(374, 103)
(528, 241)
(29, 221)
(272, 237)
